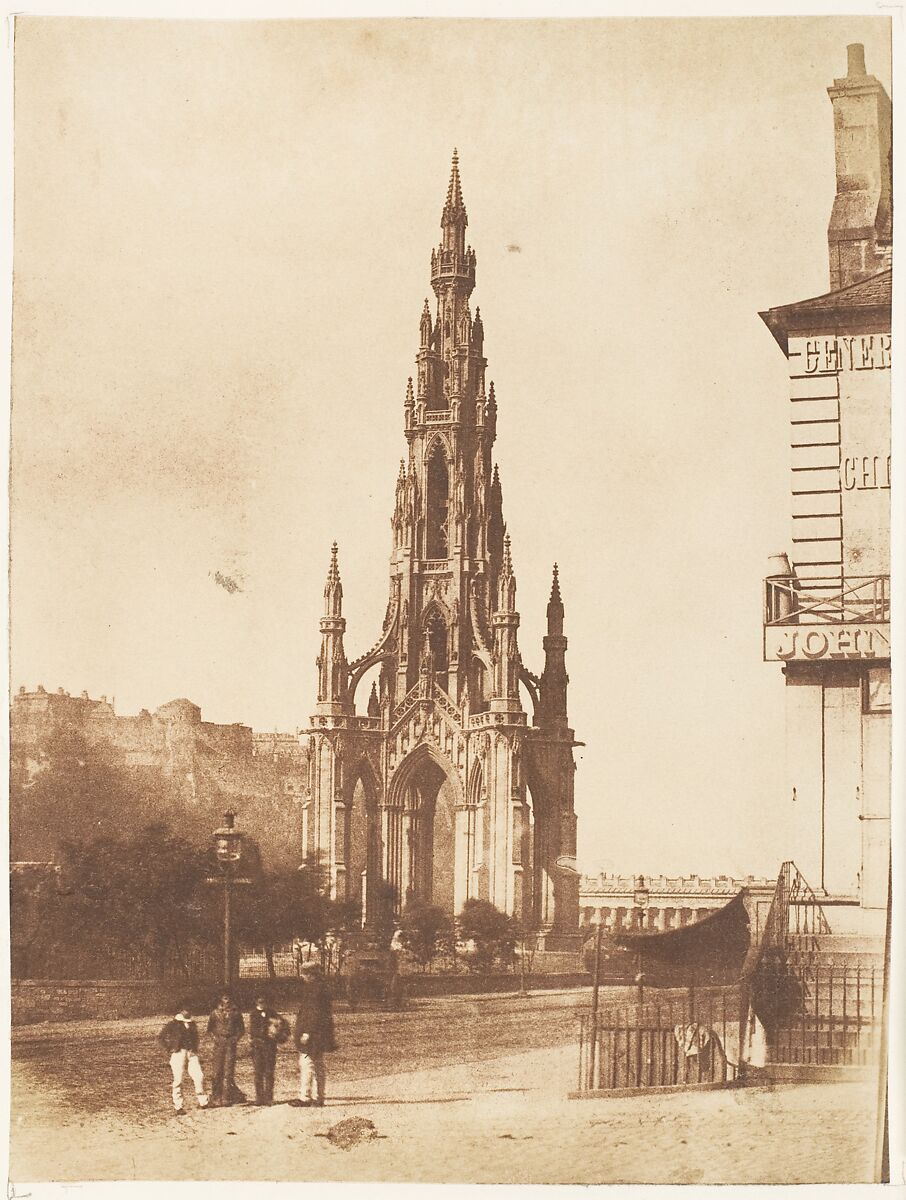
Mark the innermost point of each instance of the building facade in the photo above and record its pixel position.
(443, 787)
(827, 602)
(661, 902)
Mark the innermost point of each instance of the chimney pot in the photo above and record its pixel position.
(855, 59)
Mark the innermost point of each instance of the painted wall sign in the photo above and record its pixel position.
(809, 643)
(866, 472)
(866, 352)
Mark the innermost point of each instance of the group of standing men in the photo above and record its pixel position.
(313, 1037)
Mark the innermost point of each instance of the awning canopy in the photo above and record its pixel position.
(718, 941)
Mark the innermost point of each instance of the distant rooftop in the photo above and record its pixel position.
(613, 884)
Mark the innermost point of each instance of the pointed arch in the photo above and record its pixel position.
(476, 783)
(425, 795)
(363, 772)
(361, 834)
(424, 755)
(441, 442)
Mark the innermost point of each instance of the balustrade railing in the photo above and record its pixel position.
(795, 912)
(862, 598)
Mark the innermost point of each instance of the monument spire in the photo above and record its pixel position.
(449, 662)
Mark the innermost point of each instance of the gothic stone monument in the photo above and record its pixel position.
(444, 790)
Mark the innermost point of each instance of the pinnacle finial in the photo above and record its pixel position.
(333, 588)
(410, 396)
(507, 556)
(454, 193)
(454, 189)
(555, 584)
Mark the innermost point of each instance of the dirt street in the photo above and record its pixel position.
(459, 1090)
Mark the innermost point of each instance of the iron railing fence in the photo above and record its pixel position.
(677, 1039)
(829, 600)
(194, 962)
(814, 1009)
(203, 963)
(823, 1013)
(795, 919)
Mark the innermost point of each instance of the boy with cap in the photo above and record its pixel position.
(179, 1038)
(227, 1027)
(264, 1031)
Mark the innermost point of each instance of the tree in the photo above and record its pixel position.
(67, 788)
(425, 931)
(491, 931)
(143, 892)
(382, 919)
(35, 911)
(282, 905)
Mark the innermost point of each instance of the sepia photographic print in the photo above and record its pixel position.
(450, 609)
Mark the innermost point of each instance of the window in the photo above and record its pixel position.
(438, 502)
(876, 690)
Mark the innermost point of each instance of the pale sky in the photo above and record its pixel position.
(222, 246)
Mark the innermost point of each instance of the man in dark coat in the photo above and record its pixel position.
(179, 1039)
(314, 1035)
(263, 1032)
(226, 1026)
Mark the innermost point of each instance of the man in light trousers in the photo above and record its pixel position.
(179, 1038)
(314, 1036)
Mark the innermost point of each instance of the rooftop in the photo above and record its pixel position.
(872, 295)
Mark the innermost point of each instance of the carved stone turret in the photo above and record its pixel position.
(333, 670)
(554, 679)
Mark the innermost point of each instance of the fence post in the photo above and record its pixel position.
(593, 1037)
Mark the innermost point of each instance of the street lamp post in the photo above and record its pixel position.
(228, 848)
(642, 899)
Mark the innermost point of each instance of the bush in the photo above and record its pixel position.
(491, 931)
(425, 931)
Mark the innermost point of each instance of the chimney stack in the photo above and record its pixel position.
(859, 235)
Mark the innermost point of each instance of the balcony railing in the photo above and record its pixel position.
(863, 599)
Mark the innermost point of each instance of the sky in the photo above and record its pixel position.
(221, 252)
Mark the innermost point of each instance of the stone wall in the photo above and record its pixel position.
(55, 1000)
